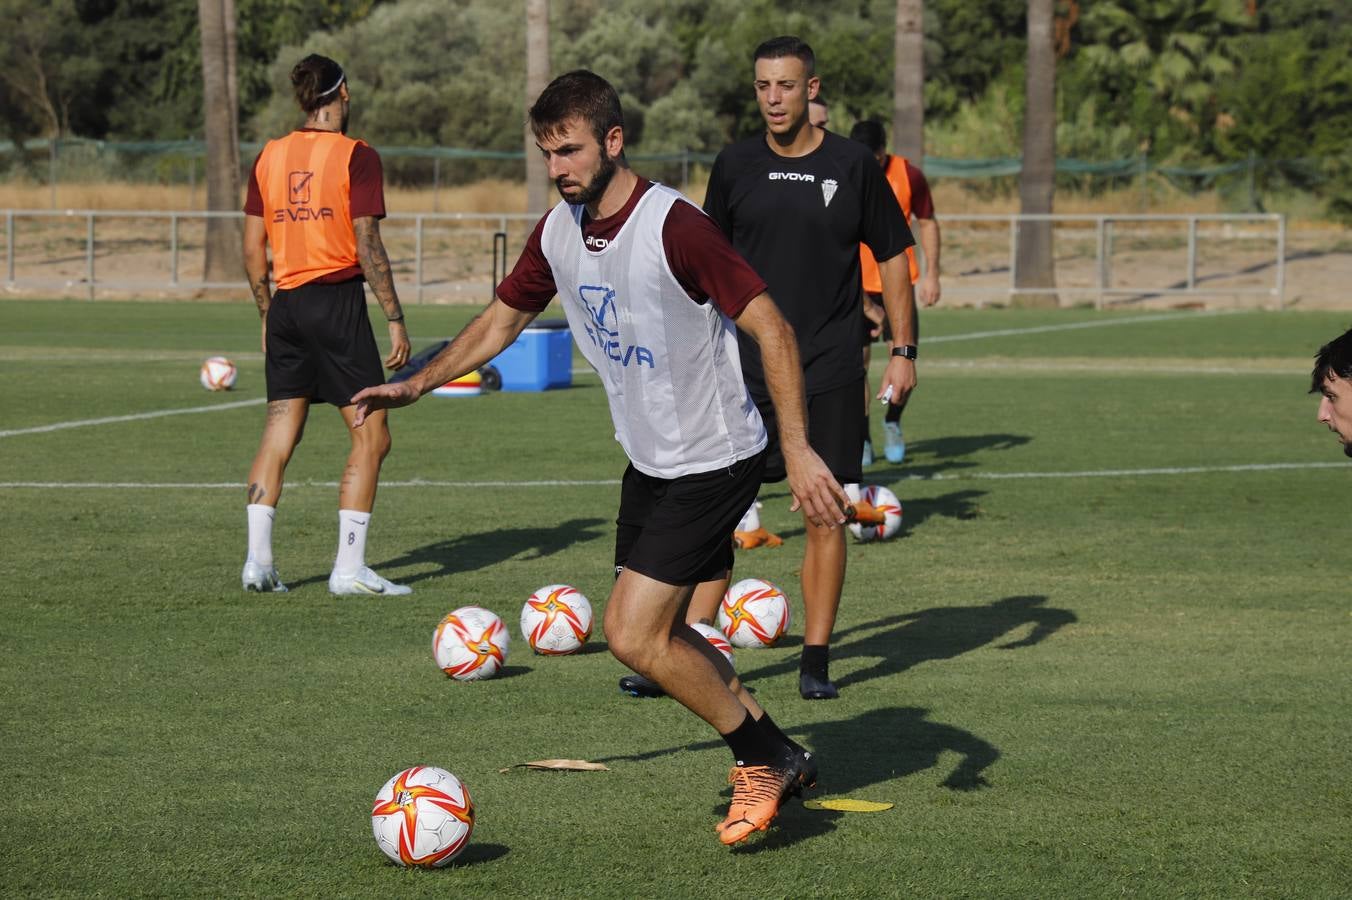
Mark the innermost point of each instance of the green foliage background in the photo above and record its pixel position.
(1182, 82)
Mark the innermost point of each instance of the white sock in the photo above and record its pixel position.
(260, 532)
(351, 541)
(750, 521)
(852, 491)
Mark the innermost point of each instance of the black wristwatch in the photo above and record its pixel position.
(907, 351)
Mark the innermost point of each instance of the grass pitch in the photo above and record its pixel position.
(1108, 654)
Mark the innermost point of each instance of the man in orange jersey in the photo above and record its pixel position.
(913, 193)
(315, 196)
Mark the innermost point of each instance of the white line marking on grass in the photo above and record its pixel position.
(606, 482)
(134, 417)
(1071, 326)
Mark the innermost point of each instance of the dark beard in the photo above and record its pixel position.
(593, 191)
(1347, 450)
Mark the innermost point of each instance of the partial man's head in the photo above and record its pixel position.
(320, 83)
(870, 133)
(1332, 378)
(579, 128)
(818, 113)
(786, 80)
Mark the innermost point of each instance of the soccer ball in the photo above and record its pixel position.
(218, 374)
(754, 613)
(717, 638)
(422, 817)
(556, 620)
(470, 644)
(886, 501)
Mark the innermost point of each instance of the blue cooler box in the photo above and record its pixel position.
(539, 359)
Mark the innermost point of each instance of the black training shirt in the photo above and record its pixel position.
(799, 221)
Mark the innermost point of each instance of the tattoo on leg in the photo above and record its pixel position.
(256, 493)
(277, 409)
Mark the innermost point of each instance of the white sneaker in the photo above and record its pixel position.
(365, 581)
(263, 579)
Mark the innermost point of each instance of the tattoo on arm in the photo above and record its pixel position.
(262, 295)
(375, 265)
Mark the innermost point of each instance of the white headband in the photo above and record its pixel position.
(342, 76)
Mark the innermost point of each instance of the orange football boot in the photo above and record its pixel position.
(861, 512)
(749, 540)
(758, 792)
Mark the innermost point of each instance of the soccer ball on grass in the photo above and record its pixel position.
(886, 502)
(217, 374)
(556, 620)
(422, 817)
(470, 644)
(754, 613)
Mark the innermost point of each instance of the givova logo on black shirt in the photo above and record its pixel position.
(603, 327)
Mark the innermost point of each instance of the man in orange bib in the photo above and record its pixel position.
(913, 193)
(316, 197)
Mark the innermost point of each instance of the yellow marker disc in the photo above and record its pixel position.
(845, 804)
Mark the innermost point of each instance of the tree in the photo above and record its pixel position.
(1034, 266)
(224, 262)
(908, 119)
(1163, 62)
(537, 78)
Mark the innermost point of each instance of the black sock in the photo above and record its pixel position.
(815, 661)
(752, 745)
(768, 725)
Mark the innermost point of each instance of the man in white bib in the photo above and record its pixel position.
(652, 289)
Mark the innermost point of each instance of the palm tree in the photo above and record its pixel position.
(537, 77)
(1177, 49)
(908, 81)
(216, 23)
(1034, 267)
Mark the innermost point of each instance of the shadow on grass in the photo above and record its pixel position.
(937, 456)
(856, 754)
(479, 550)
(477, 854)
(896, 742)
(942, 632)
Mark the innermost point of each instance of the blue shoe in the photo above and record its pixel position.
(868, 454)
(894, 448)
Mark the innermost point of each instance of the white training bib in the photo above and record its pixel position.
(669, 365)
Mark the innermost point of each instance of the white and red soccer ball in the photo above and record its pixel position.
(886, 502)
(754, 613)
(717, 639)
(556, 620)
(218, 374)
(422, 817)
(470, 644)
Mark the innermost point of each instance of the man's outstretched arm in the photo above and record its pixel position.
(485, 337)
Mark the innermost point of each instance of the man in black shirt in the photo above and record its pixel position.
(797, 202)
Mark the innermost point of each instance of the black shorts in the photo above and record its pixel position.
(320, 344)
(835, 429)
(865, 333)
(679, 530)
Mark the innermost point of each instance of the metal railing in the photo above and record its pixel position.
(456, 256)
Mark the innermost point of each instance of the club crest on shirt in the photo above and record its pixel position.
(828, 190)
(603, 327)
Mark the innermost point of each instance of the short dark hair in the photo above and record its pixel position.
(581, 94)
(820, 101)
(1334, 358)
(870, 133)
(316, 80)
(787, 45)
